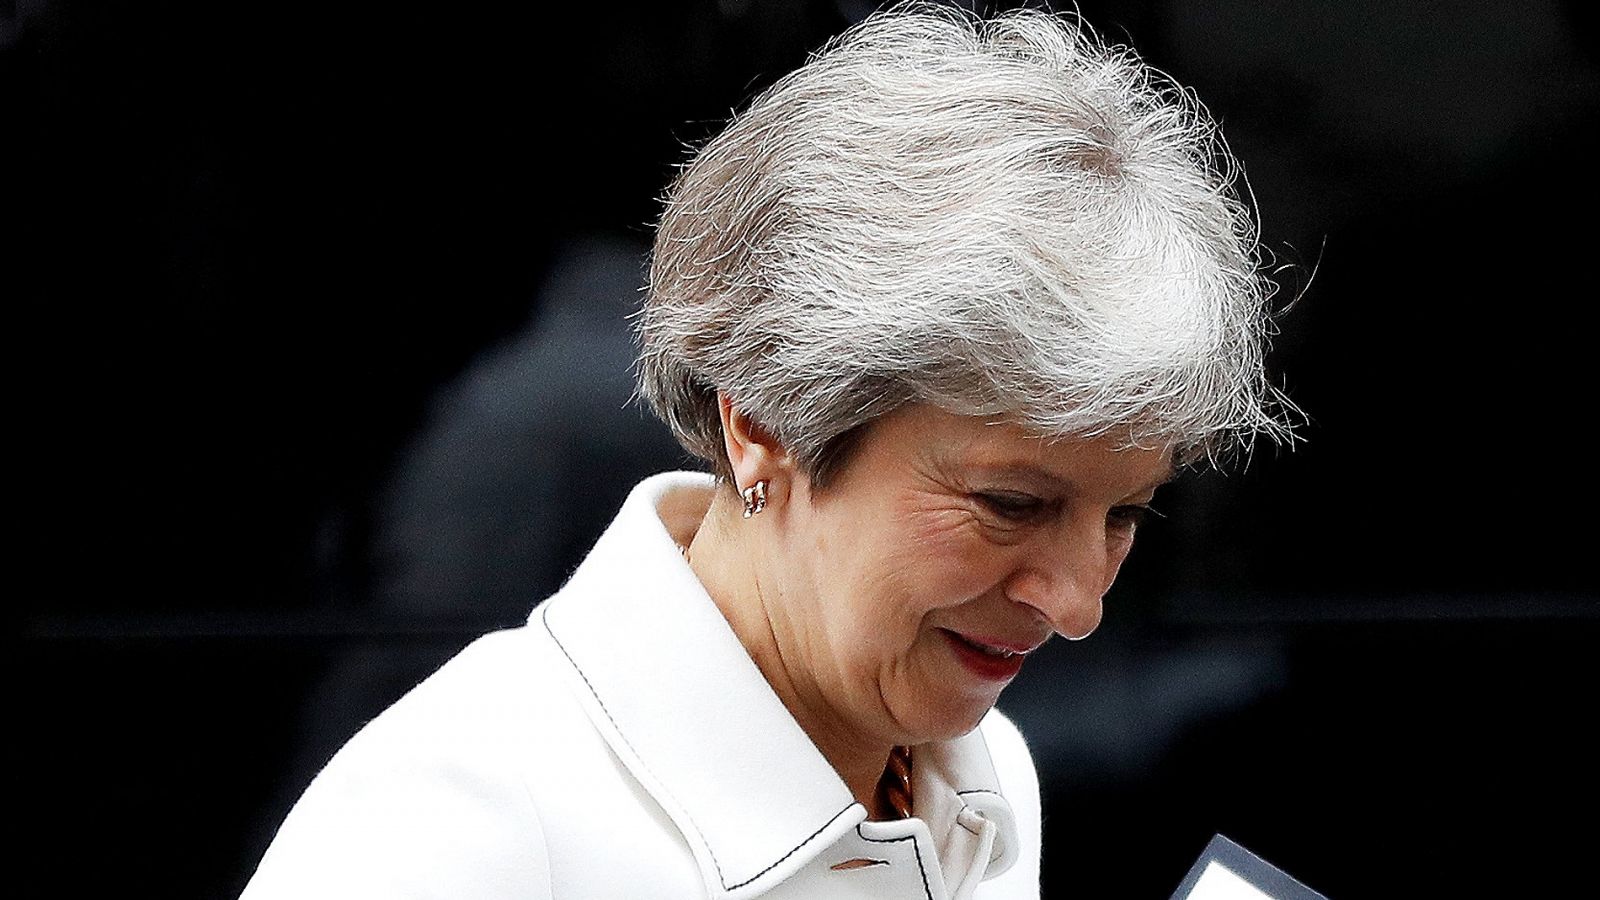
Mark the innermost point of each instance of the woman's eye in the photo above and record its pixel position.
(1012, 505)
(1129, 517)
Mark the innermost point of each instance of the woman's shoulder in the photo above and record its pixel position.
(490, 693)
(430, 794)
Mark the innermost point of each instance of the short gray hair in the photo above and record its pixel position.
(1001, 217)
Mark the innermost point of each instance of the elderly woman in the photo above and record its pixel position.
(942, 309)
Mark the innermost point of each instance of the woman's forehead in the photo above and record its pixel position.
(985, 446)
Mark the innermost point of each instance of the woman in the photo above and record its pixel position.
(942, 310)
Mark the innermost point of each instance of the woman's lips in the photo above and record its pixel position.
(991, 661)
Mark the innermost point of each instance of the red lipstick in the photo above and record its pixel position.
(981, 661)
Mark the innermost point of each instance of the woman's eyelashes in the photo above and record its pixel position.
(1014, 506)
(1020, 508)
(1130, 516)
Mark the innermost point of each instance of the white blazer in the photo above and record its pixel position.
(622, 744)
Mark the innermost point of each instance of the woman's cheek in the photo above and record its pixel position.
(948, 545)
(941, 531)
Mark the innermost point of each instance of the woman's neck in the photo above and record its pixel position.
(725, 555)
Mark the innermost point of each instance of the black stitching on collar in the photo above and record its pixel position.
(544, 616)
(791, 852)
(927, 891)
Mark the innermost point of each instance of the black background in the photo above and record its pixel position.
(321, 371)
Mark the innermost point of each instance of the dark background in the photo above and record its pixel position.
(321, 371)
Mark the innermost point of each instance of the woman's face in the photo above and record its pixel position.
(946, 549)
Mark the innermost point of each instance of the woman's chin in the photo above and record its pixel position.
(946, 720)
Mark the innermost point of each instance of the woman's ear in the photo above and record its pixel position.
(753, 453)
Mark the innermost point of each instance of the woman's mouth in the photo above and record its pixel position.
(992, 661)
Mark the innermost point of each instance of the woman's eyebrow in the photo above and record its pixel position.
(1166, 479)
(1030, 472)
(1169, 475)
(1062, 484)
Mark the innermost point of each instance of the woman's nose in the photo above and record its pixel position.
(1064, 583)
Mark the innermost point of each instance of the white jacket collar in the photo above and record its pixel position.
(684, 707)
